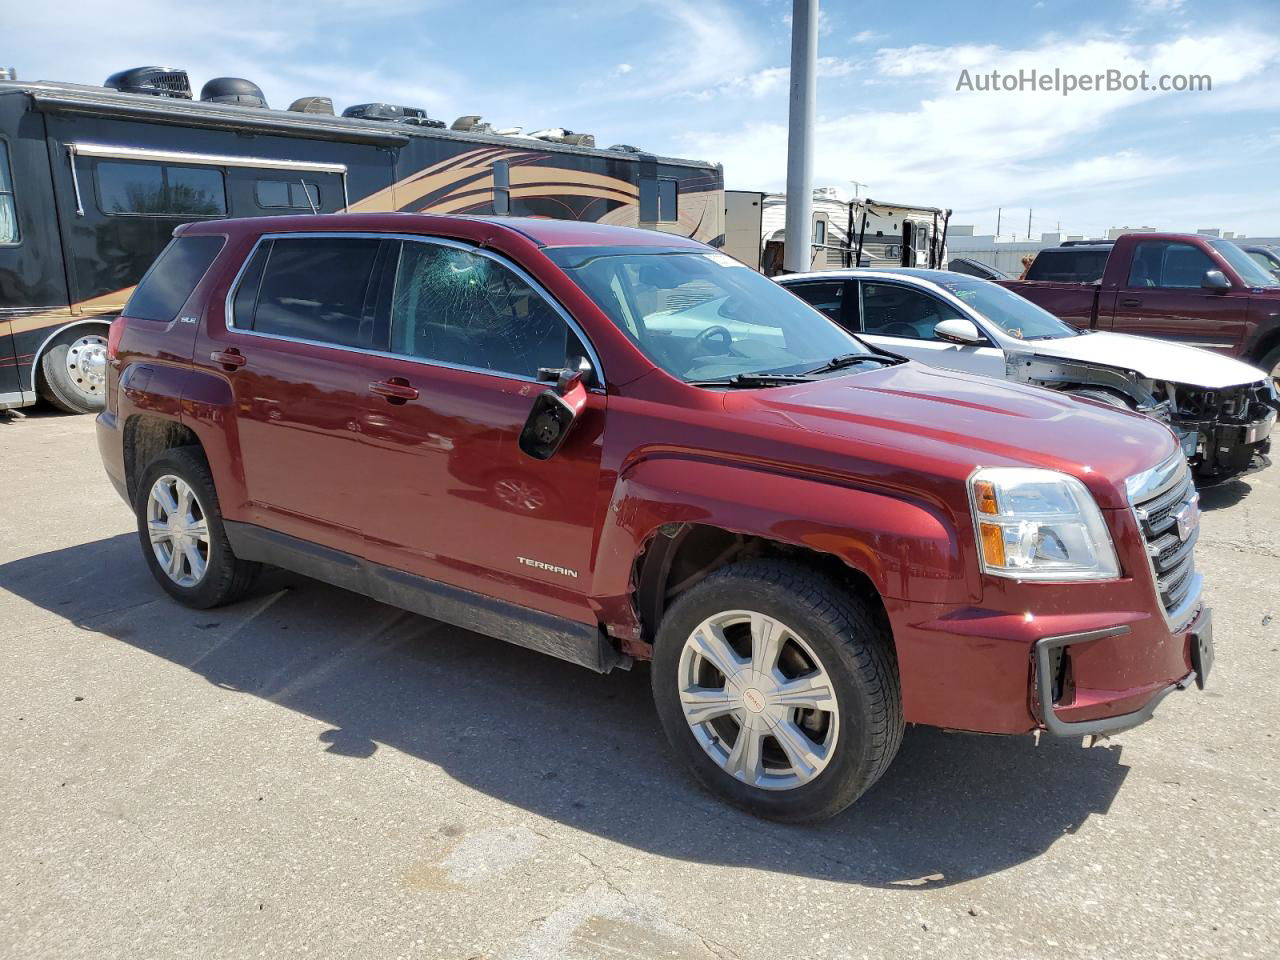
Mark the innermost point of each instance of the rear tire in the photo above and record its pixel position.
(73, 371)
(1271, 364)
(822, 716)
(182, 536)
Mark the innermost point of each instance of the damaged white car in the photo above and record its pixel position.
(1221, 410)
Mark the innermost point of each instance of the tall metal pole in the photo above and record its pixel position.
(804, 95)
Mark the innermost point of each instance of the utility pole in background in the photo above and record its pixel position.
(856, 185)
(999, 210)
(1028, 223)
(800, 119)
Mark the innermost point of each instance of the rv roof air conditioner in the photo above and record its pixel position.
(561, 135)
(152, 81)
(233, 90)
(392, 113)
(321, 106)
(625, 148)
(471, 124)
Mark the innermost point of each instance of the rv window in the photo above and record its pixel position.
(460, 308)
(152, 190)
(317, 288)
(658, 201)
(167, 285)
(286, 194)
(502, 187)
(820, 231)
(667, 201)
(9, 232)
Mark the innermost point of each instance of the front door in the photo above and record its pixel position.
(1163, 298)
(453, 498)
(304, 311)
(903, 320)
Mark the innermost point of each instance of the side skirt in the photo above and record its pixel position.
(570, 640)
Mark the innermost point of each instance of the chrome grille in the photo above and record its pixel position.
(1170, 523)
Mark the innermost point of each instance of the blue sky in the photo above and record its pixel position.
(708, 79)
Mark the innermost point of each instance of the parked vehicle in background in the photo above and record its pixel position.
(1221, 410)
(1196, 290)
(846, 233)
(975, 268)
(93, 181)
(1266, 256)
(814, 542)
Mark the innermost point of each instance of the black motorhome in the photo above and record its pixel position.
(93, 180)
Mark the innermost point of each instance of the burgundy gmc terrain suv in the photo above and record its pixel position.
(616, 445)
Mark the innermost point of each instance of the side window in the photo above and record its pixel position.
(155, 190)
(501, 187)
(1158, 263)
(824, 295)
(286, 194)
(820, 231)
(457, 307)
(1068, 266)
(9, 232)
(167, 285)
(312, 288)
(893, 311)
(659, 200)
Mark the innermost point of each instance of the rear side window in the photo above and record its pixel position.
(160, 190)
(824, 295)
(1069, 266)
(172, 278)
(311, 288)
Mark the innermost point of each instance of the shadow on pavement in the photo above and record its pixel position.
(1223, 495)
(566, 744)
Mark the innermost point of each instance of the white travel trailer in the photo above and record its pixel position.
(868, 232)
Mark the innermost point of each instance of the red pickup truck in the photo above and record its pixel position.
(1196, 290)
(614, 446)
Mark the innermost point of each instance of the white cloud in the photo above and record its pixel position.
(976, 151)
(865, 36)
(1159, 6)
(623, 68)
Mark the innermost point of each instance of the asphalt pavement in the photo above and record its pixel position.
(310, 773)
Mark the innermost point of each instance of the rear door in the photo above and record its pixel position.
(452, 498)
(902, 319)
(1162, 297)
(305, 313)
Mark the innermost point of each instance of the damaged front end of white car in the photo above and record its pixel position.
(1224, 428)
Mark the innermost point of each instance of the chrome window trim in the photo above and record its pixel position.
(229, 316)
(114, 152)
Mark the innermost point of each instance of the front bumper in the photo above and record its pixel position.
(1057, 695)
(1220, 449)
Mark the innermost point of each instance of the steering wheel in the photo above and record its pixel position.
(702, 342)
(898, 328)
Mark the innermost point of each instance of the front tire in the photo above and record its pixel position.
(182, 536)
(779, 689)
(73, 371)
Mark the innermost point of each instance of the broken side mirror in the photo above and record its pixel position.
(555, 411)
(959, 330)
(1215, 280)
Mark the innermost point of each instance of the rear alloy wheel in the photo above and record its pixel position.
(779, 688)
(180, 529)
(73, 371)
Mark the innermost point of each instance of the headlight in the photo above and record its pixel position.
(1037, 524)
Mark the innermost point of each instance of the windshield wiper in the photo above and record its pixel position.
(849, 359)
(752, 380)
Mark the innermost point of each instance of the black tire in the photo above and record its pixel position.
(226, 578)
(1270, 363)
(856, 652)
(1102, 396)
(56, 384)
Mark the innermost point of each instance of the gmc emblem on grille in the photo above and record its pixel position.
(1188, 517)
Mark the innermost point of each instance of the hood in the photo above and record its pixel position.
(914, 417)
(1151, 359)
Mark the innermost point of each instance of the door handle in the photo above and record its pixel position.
(396, 390)
(231, 358)
(1131, 302)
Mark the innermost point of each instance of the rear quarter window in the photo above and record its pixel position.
(169, 282)
(1069, 266)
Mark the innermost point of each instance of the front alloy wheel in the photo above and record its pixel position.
(178, 530)
(758, 700)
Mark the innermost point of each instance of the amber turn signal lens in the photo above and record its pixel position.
(984, 492)
(992, 544)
